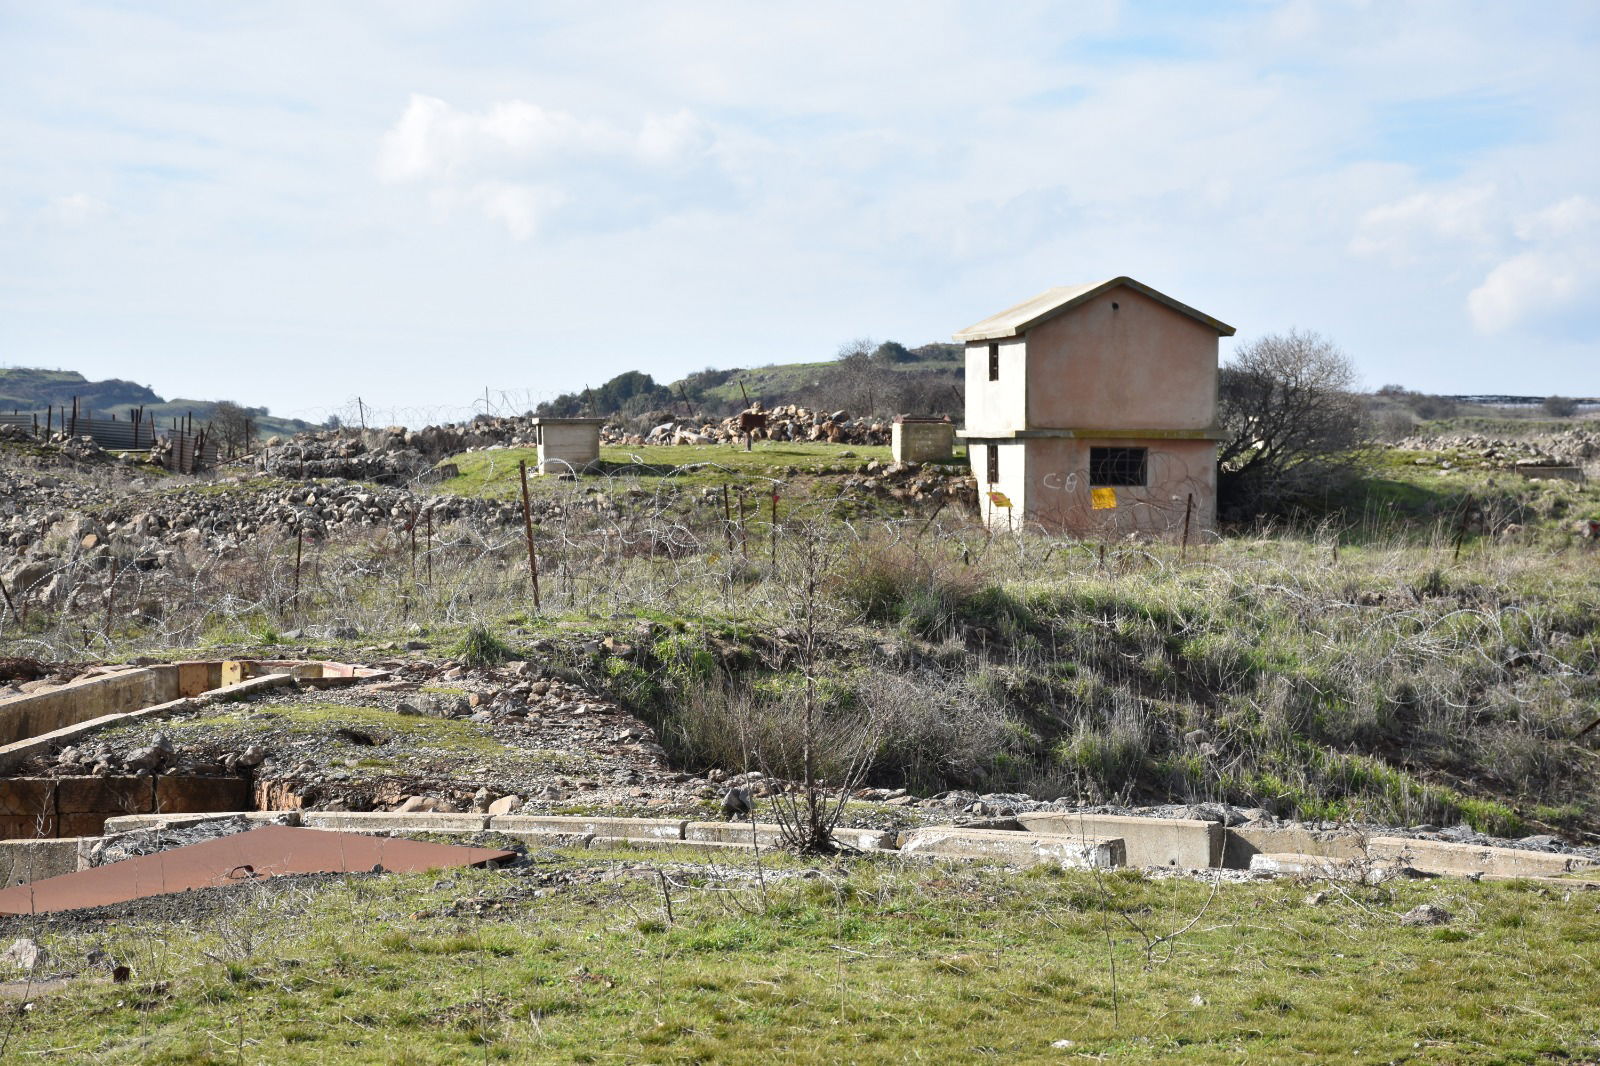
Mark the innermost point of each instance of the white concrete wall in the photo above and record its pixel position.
(1013, 481)
(564, 449)
(997, 406)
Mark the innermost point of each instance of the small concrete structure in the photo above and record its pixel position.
(922, 440)
(1182, 842)
(1092, 410)
(567, 445)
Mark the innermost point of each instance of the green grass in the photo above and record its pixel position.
(686, 466)
(255, 721)
(867, 963)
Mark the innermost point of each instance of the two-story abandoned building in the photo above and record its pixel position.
(1092, 409)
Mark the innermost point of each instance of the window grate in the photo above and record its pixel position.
(994, 463)
(1117, 466)
(994, 362)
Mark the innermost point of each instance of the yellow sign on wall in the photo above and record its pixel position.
(1103, 499)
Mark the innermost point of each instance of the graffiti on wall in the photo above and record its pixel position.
(1173, 480)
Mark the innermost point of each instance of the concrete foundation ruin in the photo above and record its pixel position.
(37, 723)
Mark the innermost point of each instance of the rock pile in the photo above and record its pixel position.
(784, 423)
(1574, 447)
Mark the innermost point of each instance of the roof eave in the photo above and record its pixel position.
(974, 333)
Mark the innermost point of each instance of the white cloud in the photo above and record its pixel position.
(78, 209)
(1558, 273)
(520, 162)
(1425, 223)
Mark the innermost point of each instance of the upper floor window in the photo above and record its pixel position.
(994, 362)
(1110, 467)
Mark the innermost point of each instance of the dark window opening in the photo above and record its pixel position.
(994, 362)
(994, 463)
(1117, 466)
(1115, 305)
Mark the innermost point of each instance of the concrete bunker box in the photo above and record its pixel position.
(567, 445)
(922, 440)
(1091, 409)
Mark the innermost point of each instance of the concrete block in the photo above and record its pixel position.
(1243, 843)
(1016, 849)
(182, 794)
(19, 827)
(1182, 842)
(129, 823)
(549, 838)
(25, 861)
(27, 797)
(197, 677)
(1462, 860)
(105, 796)
(626, 828)
(83, 824)
(770, 835)
(1354, 870)
(385, 821)
(922, 440)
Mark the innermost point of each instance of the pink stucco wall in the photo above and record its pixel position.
(1138, 365)
(1056, 488)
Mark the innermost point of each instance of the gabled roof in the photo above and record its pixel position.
(1014, 321)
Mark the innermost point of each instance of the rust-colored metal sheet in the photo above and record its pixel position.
(259, 853)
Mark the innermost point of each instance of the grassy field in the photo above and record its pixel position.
(859, 963)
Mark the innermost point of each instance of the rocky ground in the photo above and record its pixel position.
(438, 736)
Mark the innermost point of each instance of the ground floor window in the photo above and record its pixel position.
(1118, 466)
(994, 462)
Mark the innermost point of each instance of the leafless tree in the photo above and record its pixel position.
(231, 423)
(1293, 421)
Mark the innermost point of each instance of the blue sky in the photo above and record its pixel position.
(298, 203)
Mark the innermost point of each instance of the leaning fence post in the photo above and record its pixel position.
(527, 525)
(1188, 509)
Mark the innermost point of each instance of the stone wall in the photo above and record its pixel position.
(79, 806)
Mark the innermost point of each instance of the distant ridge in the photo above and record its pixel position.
(34, 389)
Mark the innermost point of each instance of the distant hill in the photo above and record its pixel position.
(33, 389)
(28, 388)
(887, 379)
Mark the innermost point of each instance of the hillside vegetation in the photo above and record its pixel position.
(30, 389)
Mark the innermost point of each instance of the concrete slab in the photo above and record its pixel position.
(646, 843)
(1015, 849)
(1355, 871)
(1240, 844)
(130, 823)
(627, 828)
(25, 861)
(768, 834)
(549, 838)
(385, 821)
(1463, 860)
(1182, 842)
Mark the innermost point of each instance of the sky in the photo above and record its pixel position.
(423, 204)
